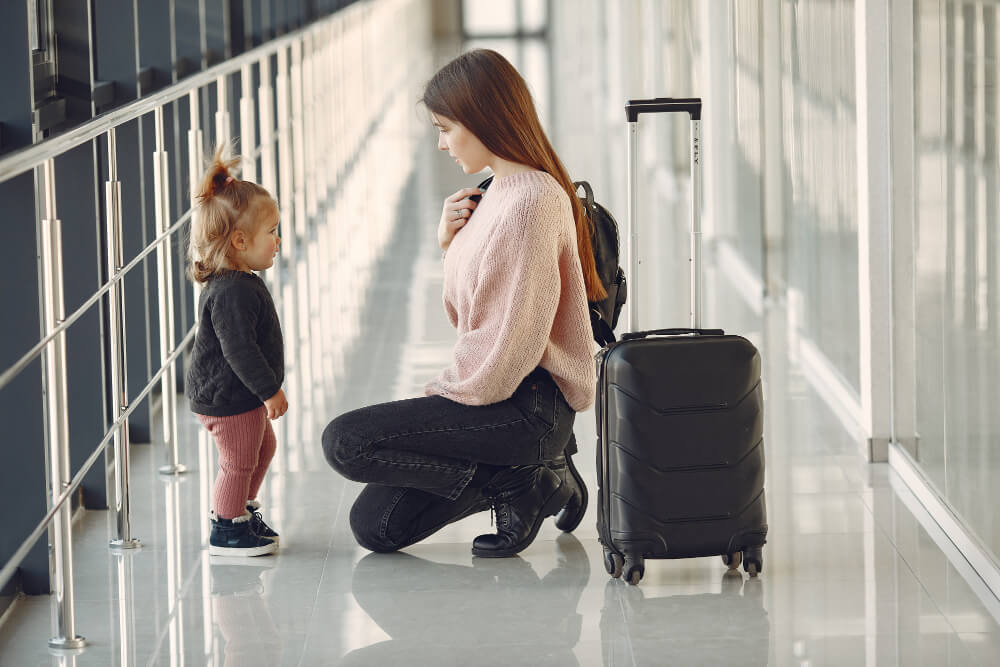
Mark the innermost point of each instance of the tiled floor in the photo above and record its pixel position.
(851, 576)
(853, 571)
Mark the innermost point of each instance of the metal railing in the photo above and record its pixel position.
(299, 158)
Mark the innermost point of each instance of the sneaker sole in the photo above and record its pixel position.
(570, 526)
(552, 506)
(246, 552)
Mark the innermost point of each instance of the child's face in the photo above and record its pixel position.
(262, 245)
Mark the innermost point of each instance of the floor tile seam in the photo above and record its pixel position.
(628, 632)
(822, 633)
(880, 528)
(846, 478)
(322, 574)
(15, 608)
(816, 494)
(182, 594)
(895, 547)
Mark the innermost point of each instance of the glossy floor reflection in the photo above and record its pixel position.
(851, 575)
(854, 573)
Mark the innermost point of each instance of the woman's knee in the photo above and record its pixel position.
(369, 519)
(344, 444)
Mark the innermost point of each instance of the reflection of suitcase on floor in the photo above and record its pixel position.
(680, 460)
(730, 627)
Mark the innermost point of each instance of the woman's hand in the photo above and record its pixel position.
(455, 213)
(277, 405)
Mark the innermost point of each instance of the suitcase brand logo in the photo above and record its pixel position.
(696, 152)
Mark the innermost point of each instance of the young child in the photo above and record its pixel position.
(237, 362)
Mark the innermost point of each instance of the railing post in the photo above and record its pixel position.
(57, 419)
(195, 165)
(248, 135)
(165, 272)
(298, 157)
(265, 106)
(125, 580)
(286, 198)
(116, 330)
(175, 571)
(303, 309)
(222, 132)
(285, 169)
(268, 170)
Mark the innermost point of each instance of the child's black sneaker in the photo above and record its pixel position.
(257, 524)
(234, 537)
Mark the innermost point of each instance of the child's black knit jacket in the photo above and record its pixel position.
(237, 361)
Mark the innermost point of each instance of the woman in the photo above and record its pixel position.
(495, 428)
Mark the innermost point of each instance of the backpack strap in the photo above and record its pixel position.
(588, 193)
(601, 329)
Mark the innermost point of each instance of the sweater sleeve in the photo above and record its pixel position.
(512, 309)
(235, 313)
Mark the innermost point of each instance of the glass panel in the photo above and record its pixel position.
(956, 272)
(533, 15)
(489, 17)
(821, 190)
(746, 229)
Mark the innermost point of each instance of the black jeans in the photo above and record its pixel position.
(419, 455)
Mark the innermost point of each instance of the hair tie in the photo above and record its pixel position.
(229, 179)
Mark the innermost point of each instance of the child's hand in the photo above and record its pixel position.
(277, 405)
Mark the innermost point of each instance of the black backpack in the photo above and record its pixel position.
(604, 240)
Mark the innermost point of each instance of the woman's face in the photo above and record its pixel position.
(468, 151)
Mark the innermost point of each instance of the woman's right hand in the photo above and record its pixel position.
(455, 213)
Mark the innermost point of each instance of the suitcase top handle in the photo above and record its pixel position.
(692, 105)
(673, 332)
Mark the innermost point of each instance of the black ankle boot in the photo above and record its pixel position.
(572, 514)
(523, 497)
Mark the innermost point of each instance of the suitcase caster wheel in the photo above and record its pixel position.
(753, 561)
(613, 563)
(633, 571)
(733, 560)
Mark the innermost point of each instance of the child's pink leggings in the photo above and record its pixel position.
(246, 445)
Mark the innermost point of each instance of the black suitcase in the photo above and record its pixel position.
(680, 454)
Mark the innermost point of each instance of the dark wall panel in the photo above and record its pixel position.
(22, 452)
(115, 55)
(15, 103)
(74, 52)
(154, 44)
(82, 239)
(187, 37)
(135, 228)
(216, 38)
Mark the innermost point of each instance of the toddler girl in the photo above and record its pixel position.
(236, 365)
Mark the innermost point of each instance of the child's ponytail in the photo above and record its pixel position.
(221, 203)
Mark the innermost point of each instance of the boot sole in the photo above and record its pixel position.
(246, 552)
(570, 526)
(556, 501)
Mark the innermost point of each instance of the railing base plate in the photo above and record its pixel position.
(120, 545)
(65, 644)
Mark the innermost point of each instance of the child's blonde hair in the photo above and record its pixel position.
(225, 204)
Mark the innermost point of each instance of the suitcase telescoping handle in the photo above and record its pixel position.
(673, 332)
(691, 106)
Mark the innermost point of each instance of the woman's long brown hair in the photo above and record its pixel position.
(481, 90)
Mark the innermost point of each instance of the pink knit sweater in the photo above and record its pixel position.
(513, 287)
